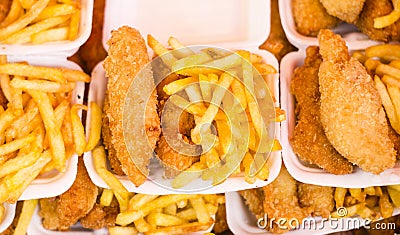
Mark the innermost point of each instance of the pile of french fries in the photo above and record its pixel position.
(369, 203)
(40, 21)
(383, 63)
(39, 127)
(206, 78)
(155, 214)
(391, 18)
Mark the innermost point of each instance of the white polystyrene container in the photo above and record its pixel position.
(242, 221)
(61, 48)
(230, 24)
(8, 217)
(310, 175)
(354, 38)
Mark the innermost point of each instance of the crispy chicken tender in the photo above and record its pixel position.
(373, 9)
(310, 16)
(281, 201)
(351, 109)
(319, 198)
(253, 198)
(100, 216)
(309, 141)
(127, 55)
(63, 212)
(346, 10)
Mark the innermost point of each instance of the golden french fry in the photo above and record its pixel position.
(181, 229)
(205, 87)
(371, 201)
(18, 163)
(74, 75)
(42, 85)
(360, 56)
(365, 212)
(74, 25)
(378, 191)
(25, 70)
(55, 10)
(369, 190)
(199, 206)
(180, 50)
(50, 123)
(182, 203)
(77, 129)
(23, 21)
(161, 51)
(16, 144)
(118, 230)
(339, 196)
(194, 71)
(13, 14)
(395, 63)
(140, 200)
(141, 225)
(225, 63)
(128, 217)
(106, 197)
(385, 51)
(178, 85)
(389, 80)
(24, 35)
(211, 157)
(371, 64)
(239, 93)
(171, 209)
(350, 211)
(95, 126)
(66, 129)
(26, 215)
(2, 212)
(50, 35)
(391, 18)
(265, 69)
(187, 176)
(385, 205)
(26, 4)
(357, 194)
(160, 219)
(384, 69)
(191, 61)
(394, 195)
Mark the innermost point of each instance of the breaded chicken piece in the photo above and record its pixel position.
(346, 10)
(309, 141)
(395, 138)
(351, 109)
(281, 201)
(64, 211)
(253, 198)
(373, 9)
(101, 217)
(277, 43)
(221, 223)
(319, 198)
(310, 16)
(127, 55)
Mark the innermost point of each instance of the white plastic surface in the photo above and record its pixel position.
(96, 93)
(354, 38)
(62, 48)
(53, 183)
(357, 179)
(9, 214)
(227, 23)
(242, 221)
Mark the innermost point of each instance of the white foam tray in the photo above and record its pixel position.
(158, 184)
(62, 48)
(354, 38)
(357, 179)
(9, 214)
(242, 221)
(53, 183)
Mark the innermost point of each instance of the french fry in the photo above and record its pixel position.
(191, 61)
(16, 144)
(369, 190)
(357, 194)
(180, 50)
(384, 21)
(265, 69)
(239, 93)
(371, 201)
(23, 21)
(140, 200)
(351, 211)
(394, 195)
(391, 81)
(51, 74)
(50, 35)
(187, 176)
(160, 219)
(2, 212)
(74, 75)
(385, 205)
(106, 197)
(41, 85)
(95, 126)
(181, 229)
(395, 63)
(339, 195)
(25, 218)
(205, 87)
(360, 56)
(17, 163)
(26, 4)
(55, 10)
(386, 51)
(13, 13)
(378, 191)
(77, 129)
(117, 230)
(74, 25)
(161, 51)
(384, 69)
(142, 225)
(201, 210)
(371, 64)
(170, 209)
(178, 85)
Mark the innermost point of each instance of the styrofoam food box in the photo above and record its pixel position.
(60, 48)
(96, 93)
(230, 24)
(306, 174)
(36, 228)
(242, 221)
(354, 38)
(9, 214)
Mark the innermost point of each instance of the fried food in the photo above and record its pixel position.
(346, 10)
(4, 8)
(63, 212)
(277, 43)
(127, 55)
(319, 198)
(281, 201)
(310, 142)
(253, 198)
(351, 109)
(100, 216)
(221, 223)
(310, 16)
(373, 9)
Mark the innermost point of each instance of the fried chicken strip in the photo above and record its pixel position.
(346, 10)
(351, 109)
(127, 55)
(319, 198)
(309, 141)
(310, 16)
(253, 198)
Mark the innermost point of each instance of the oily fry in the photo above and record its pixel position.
(339, 196)
(117, 230)
(16, 144)
(24, 220)
(41, 85)
(54, 11)
(50, 35)
(385, 51)
(191, 61)
(77, 129)
(74, 25)
(385, 205)
(160, 219)
(95, 126)
(24, 70)
(106, 197)
(161, 51)
(180, 50)
(384, 69)
(13, 13)
(181, 229)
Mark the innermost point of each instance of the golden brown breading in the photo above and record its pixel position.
(221, 224)
(351, 109)
(253, 198)
(346, 10)
(277, 42)
(319, 198)
(309, 141)
(281, 201)
(127, 55)
(310, 16)
(48, 211)
(101, 217)
(371, 10)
